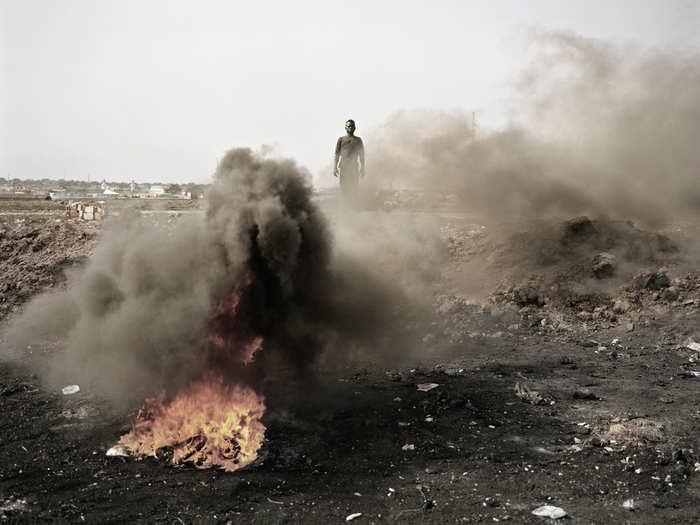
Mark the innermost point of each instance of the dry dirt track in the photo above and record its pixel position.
(618, 422)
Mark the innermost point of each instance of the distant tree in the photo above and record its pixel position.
(173, 189)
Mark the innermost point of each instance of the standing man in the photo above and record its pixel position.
(349, 161)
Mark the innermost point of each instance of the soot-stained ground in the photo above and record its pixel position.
(537, 403)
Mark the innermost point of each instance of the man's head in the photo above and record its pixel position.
(350, 126)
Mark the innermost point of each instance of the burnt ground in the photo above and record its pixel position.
(614, 419)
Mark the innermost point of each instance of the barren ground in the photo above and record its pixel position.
(614, 419)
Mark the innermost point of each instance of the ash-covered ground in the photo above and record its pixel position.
(563, 353)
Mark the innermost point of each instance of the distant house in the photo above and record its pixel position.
(109, 194)
(156, 191)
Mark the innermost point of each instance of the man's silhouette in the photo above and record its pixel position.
(349, 162)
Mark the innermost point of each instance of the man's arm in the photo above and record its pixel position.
(362, 158)
(337, 156)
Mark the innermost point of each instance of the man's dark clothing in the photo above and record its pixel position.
(351, 151)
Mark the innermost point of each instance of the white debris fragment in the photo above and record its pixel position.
(353, 516)
(629, 504)
(70, 389)
(408, 447)
(118, 450)
(13, 505)
(426, 387)
(695, 347)
(549, 511)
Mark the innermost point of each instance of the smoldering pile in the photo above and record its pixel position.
(141, 316)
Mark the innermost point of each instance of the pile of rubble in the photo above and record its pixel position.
(33, 256)
(601, 273)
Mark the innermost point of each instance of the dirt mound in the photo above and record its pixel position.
(34, 254)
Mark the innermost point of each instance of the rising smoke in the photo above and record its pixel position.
(596, 129)
(140, 316)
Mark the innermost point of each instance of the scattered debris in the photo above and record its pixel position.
(695, 347)
(629, 504)
(353, 516)
(70, 389)
(83, 211)
(426, 387)
(531, 396)
(549, 511)
(408, 447)
(13, 505)
(635, 431)
(118, 451)
(80, 412)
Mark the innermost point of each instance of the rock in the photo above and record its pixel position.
(629, 327)
(652, 280)
(604, 265)
(670, 294)
(621, 306)
(578, 229)
(526, 295)
(584, 393)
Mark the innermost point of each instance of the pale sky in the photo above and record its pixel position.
(159, 90)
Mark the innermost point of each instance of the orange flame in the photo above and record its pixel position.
(209, 424)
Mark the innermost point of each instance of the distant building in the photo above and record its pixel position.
(156, 191)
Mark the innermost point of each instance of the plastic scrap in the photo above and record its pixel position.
(629, 504)
(549, 511)
(426, 387)
(408, 447)
(70, 389)
(118, 450)
(531, 396)
(695, 347)
(353, 516)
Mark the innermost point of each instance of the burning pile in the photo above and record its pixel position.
(208, 424)
(185, 311)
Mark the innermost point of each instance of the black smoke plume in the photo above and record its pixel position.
(258, 265)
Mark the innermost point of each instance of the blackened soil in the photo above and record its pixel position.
(468, 451)
(615, 439)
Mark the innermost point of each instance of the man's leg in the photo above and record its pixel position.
(349, 182)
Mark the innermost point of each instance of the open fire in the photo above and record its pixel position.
(209, 423)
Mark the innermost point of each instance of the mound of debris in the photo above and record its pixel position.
(34, 254)
(589, 270)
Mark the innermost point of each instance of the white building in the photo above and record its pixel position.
(156, 191)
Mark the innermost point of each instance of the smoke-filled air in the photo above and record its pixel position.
(252, 279)
(596, 128)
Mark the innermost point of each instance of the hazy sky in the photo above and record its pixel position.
(159, 90)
